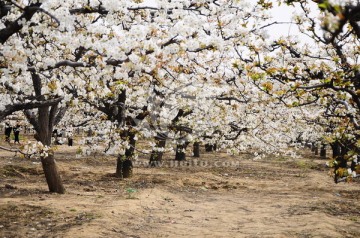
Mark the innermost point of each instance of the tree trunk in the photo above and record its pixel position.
(124, 167)
(119, 166)
(44, 133)
(127, 169)
(196, 149)
(180, 152)
(313, 147)
(210, 147)
(52, 175)
(43, 122)
(338, 155)
(156, 155)
(335, 149)
(323, 151)
(89, 133)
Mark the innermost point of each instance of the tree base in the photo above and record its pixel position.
(52, 175)
(124, 168)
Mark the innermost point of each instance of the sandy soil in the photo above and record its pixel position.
(215, 196)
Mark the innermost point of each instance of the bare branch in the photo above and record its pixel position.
(10, 149)
(60, 64)
(9, 109)
(47, 13)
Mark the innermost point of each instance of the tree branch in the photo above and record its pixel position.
(16, 26)
(9, 109)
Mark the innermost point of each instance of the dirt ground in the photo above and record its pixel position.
(215, 196)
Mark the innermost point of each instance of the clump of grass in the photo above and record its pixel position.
(130, 193)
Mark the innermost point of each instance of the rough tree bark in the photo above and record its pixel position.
(323, 151)
(156, 156)
(43, 123)
(52, 175)
(338, 155)
(196, 149)
(44, 127)
(124, 167)
(210, 147)
(314, 148)
(180, 152)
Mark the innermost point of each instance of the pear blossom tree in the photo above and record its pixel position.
(174, 71)
(319, 73)
(21, 55)
(151, 55)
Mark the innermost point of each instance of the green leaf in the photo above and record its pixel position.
(324, 5)
(131, 190)
(338, 8)
(295, 104)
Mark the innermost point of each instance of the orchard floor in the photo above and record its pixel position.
(215, 196)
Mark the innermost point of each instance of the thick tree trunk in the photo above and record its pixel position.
(210, 147)
(89, 133)
(43, 122)
(119, 166)
(127, 168)
(156, 155)
(44, 133)
(315, 148)
(180, 152)
(336, 149)
(196, 149)
(52, 175)
(124, 167)
(338, 155)
(323, 151)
